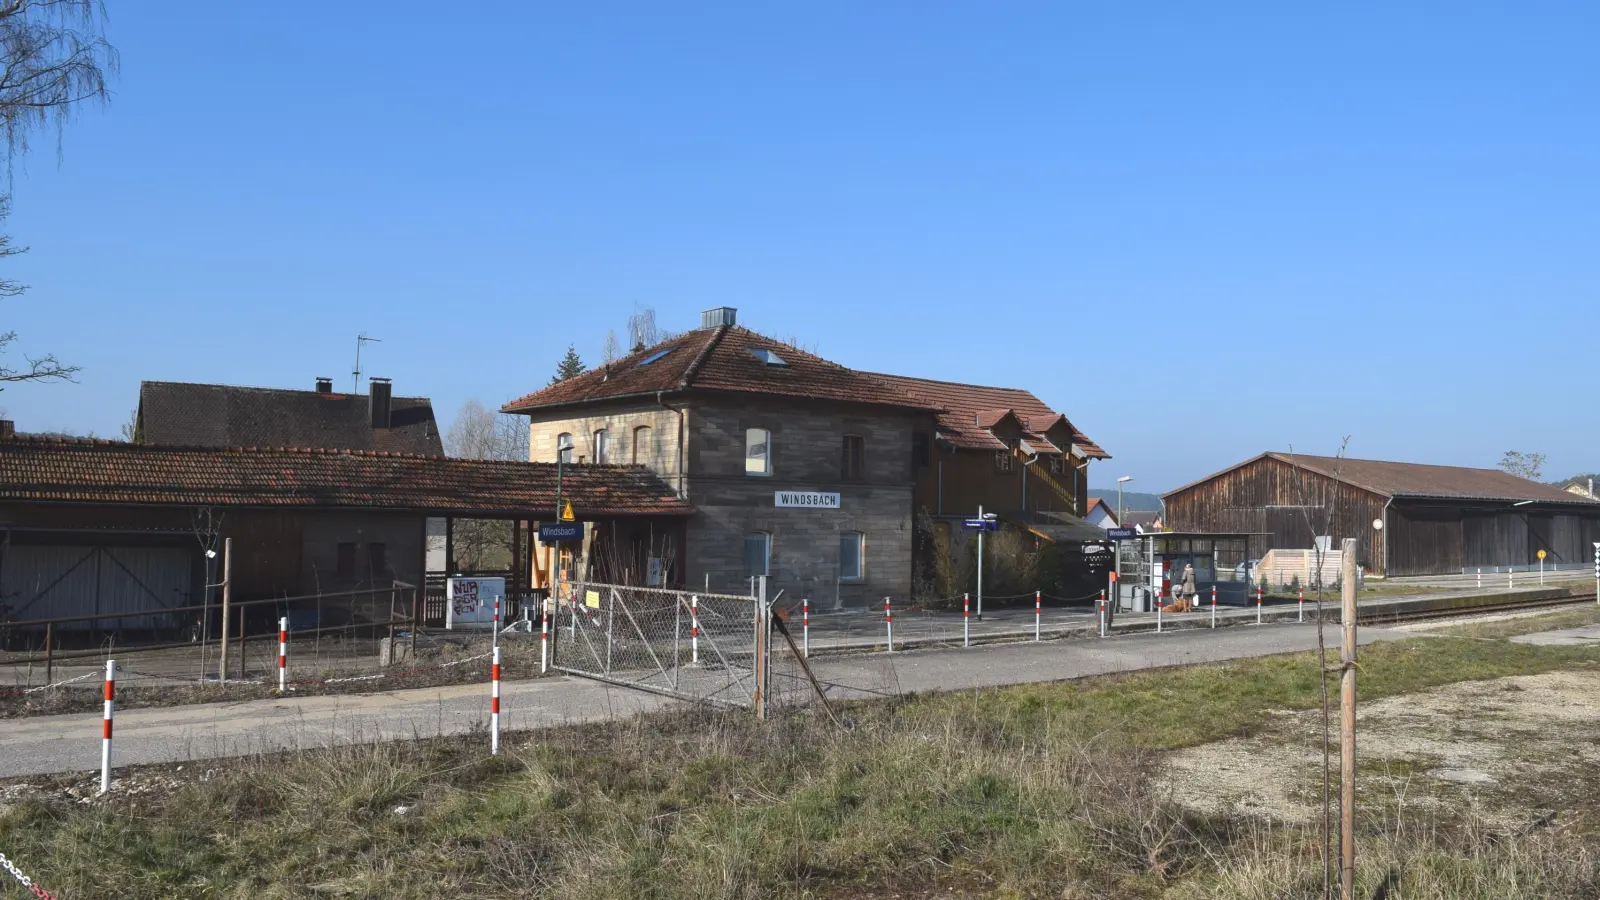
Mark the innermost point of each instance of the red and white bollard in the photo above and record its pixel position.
(1159, 610)
(283, 654)
(544, 638)
(105, 726)
(966, 620)
(888, 624)
(805, 627)
(1036, 615)
(694, 630)
(1302, 606)
(1258, 605)
(1213, 606)
(494, 705)
(1103, 613)
(494, 640)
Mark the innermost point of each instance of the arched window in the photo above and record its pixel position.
(644, 451)
(602, 447)
(564, 447)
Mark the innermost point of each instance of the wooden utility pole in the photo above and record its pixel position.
(1347, 722)
(227, 599)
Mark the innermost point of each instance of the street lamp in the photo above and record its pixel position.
(1120, 482)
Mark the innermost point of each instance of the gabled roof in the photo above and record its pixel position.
(964, 408)
(82, 471)
(724, 358)
(1397, 479)
(1095, 503)
(182, 414)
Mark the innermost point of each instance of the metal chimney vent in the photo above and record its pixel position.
(722, 315)
(324, 385)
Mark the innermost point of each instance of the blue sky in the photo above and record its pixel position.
(1199, 230)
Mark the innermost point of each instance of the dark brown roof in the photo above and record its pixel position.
(966, 410)
(1396, 479)
(46, 470)
(181, 414)
(719, 359)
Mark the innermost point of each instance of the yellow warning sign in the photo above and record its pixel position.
(1541, 554)
(566, 512)
(591, 599)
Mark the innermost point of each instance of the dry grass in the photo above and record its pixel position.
(1044, 791)
(1513, 626)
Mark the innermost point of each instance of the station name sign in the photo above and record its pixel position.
(1121, 534)
(806, 499)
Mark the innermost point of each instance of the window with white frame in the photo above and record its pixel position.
(1058, 465)
(643, 448)
(602, 446)
(852, 555)
(564, 447)
(757, 451)
(757, 553)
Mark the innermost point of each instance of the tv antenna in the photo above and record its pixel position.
(355, 376)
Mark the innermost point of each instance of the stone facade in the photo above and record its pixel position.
(806, 454)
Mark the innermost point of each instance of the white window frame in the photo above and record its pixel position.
(766, 457)
(860, 539)
(602, 446)
(766, 546)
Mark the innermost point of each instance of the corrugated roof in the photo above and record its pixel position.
(967, 409)
(49, 470)
(1398, 479)
(719, 359)
(181, 414)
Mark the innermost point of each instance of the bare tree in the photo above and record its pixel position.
(643, 331)
(1523, 465)
(611, 348)
(480, 433)
(53, 60)
(130, 428)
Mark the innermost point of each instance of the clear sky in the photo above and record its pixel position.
(1199, 230)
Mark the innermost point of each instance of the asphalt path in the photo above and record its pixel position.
(182, 734)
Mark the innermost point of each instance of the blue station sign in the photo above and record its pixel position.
(981, 524)
(551, 532)
(1121, 534)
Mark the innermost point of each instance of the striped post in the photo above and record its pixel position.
(694, 629)
(1480, 576)
(1258, 605)
(1102, 613)
(283, 654)
(1511, 579)
(1302, 605)
(966, 620)
(888, 624)
(805, 627)
(494, 705)
(1213, 606)
(1158, 616)
(105, 726)
(494, 641)
(544, 638)
(1036, 614)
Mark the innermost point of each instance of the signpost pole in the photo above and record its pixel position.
(980, 566)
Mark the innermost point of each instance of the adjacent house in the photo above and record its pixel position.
(1408, 518)
(1101, 515)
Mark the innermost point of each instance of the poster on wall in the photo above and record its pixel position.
(469, 601)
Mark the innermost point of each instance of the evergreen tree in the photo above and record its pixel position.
(569, 366)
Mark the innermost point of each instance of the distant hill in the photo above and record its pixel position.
(1130, 499)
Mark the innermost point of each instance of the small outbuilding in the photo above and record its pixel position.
(1408, 518)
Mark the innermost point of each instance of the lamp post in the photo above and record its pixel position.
(561, 455)
(1120, 482)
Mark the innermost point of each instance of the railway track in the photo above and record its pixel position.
(1378, 617)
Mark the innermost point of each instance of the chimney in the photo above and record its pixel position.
(324, 385)
(722, 315)
(379, 402)
(8, 429)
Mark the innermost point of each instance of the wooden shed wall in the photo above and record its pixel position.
(1270, 496)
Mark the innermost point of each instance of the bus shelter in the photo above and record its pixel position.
(1150, 567)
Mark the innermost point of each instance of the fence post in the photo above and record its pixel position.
(1258, 604)
(763, 639)
(1102, 613)
(494, 705)
(611, 616)
(966, 620)
(1036, 615)
(105, 728)
(544, 637)
(805, 627)
(1213, 606)
(49, 653)
(1347, 723)
(242, 639)
(283, 653)
(888, 624)
(1302, 605)
(227, 599)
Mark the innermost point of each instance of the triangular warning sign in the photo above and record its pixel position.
(566, 512)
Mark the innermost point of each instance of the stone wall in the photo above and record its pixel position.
(658, 450)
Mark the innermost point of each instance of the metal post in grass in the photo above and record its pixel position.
(1102, 613)
(544, 637)
(1347, 724)
(283, 653)
(966, 620)
(1258, 605)
(227, 599)
(888, 624)
(1302, 605)
(805, 627)
(694, 630)
(1213, 606)
(494, 704)
(105, 726)
(1158, 616)
(1036, 616)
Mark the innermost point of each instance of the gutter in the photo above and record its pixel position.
(683, 488)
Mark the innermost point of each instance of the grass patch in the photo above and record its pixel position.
(1512, 627)
(1034, 791)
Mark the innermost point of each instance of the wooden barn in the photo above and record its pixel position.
(1409, 519)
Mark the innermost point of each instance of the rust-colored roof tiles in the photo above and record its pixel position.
(968, 409)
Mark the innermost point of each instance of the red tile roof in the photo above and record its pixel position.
(72, 471)
(719, 359)
(967, 409)
(1395, 479)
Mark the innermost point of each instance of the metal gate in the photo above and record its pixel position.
(690, 645)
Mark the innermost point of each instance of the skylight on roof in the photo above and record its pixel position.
(654, 356)
(767, 357)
